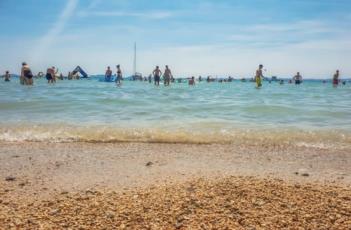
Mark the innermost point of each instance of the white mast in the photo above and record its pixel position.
(134, 65)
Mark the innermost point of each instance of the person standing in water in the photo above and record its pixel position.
(119, 75)
(26, 75)
(22, 80)
(55, 71)
(259, 76)
(297, 78)
(108, 74)
(7, 76)
(336, 79)
(50, 72)
(167, 76)
(157, 75)
(192, 81)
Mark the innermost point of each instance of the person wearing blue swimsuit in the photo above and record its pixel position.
(108, 74)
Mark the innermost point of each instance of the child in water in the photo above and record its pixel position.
(192, 81)
(7, 76)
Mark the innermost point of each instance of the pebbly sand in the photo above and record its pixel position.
(173, 186)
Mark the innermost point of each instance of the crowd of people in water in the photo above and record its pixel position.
(26, 77)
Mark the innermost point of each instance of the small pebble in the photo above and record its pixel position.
(10, 178)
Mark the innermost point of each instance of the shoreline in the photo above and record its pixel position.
(38, 178)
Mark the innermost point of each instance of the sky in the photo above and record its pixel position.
(193, 37)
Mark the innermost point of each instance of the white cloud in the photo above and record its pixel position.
(279, 35)
(93, 4)
(150, 14)
(302, 26)
(45, 42)
(91, 11)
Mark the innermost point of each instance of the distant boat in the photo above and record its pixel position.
(274, 78)
(136, 76)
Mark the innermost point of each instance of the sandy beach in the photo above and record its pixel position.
(175, 115)
(180, 186)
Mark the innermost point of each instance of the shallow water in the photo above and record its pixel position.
(88, 110)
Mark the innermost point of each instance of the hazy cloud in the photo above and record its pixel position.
(49, 38)
(150, 14)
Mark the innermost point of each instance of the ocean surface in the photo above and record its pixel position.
(311, 114)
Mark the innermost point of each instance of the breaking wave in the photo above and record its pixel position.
(109, 134)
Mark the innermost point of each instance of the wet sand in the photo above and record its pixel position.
(35, 174)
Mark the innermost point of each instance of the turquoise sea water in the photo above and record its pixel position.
(89, 110)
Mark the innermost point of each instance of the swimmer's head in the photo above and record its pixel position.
(23, 63)
(157, 67)
(7, 72)
(166, 66)
(260, 66)
(117, 66)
